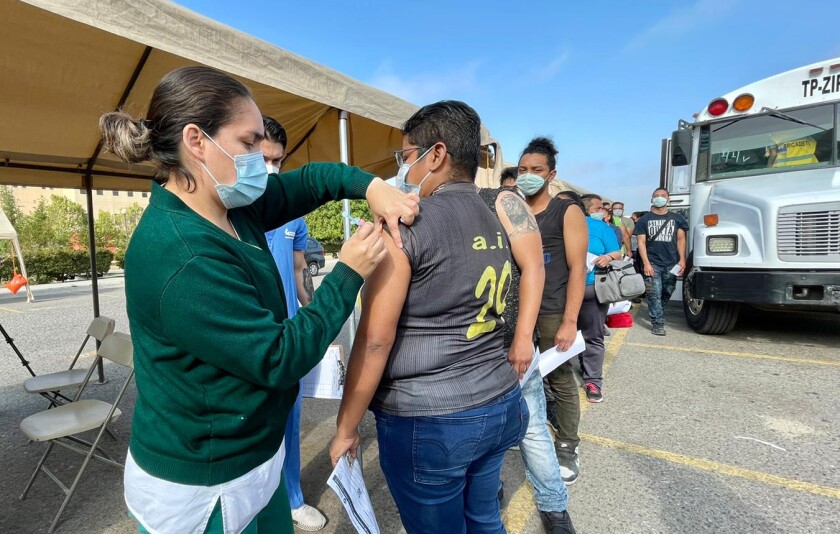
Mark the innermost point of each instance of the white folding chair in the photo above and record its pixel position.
(61, 425)
(49, 385)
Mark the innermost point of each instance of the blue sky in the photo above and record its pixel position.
(606, 80)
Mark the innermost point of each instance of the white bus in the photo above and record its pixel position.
(757, 175)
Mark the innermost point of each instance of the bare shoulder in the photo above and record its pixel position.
(518, 214)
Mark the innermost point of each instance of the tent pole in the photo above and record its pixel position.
(89, 187)
(344, 152)
(94, 283)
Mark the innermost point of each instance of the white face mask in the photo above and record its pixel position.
(659, 202)
(598, 215)
(619, 212)
(402, 174)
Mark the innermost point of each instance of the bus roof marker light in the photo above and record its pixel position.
(816, 71)
(718, 107)
(743, 102)
(711, 219)
(834, 67)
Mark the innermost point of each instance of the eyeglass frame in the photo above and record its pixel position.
(399, 155)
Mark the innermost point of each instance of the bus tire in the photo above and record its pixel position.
(707, 317)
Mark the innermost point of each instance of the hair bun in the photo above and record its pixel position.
(542, 145)
(129, 139)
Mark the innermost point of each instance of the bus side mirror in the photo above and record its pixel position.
(681, 148)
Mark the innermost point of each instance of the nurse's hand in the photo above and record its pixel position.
(392, 205)
(365, 249)
(340, 445)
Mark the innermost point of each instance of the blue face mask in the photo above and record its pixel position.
(251, 179)
(399, 179)
(530, 184)
(598, 215)
(659, 202)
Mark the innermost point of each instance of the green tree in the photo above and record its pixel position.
(66, 220)
(109, 233)
(9, 205)
(327, 225)
(34, 231)
(54, 224)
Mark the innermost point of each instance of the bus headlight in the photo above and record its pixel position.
(722, 245)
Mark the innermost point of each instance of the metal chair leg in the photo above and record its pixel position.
(93, 448)
(37, 470)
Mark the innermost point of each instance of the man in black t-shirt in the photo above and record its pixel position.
(661, 239)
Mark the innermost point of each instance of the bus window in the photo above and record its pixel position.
(773, 142)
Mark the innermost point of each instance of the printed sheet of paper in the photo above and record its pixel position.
(326, 380)
(553, 358)
(619, 307)
(535, 362)
(348, 483)
(590, 261)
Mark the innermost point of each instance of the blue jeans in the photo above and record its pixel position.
(444, 471)
(537, 448)
(661, 286)
(291, 465)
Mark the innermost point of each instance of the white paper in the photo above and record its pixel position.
(619, 307)
(590, 261)
(348, 483)
(326, 380)
(535, 362)
(676, 270)
(553, 358)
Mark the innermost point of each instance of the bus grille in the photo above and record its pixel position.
(809, 233)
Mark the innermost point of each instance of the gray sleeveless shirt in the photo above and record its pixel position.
(448, 355)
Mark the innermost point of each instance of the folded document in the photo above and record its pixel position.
(553, 358)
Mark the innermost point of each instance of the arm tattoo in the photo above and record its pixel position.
(307, 283)
(521, 220)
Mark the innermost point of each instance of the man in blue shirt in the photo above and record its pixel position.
(287, 245)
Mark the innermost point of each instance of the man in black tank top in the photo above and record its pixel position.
(565, 239)
(429, 358)
(521, 311)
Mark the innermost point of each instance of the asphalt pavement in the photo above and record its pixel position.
(736, 433)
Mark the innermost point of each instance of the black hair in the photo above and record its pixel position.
(510, 173)
(574, 197)
(203, 96)
(274, 131)
(544, 146)
(456, 125)
(661, 189)
(587, 201)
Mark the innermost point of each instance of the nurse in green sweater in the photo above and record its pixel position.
(217, 360)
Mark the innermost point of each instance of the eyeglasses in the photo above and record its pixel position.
(399, 155)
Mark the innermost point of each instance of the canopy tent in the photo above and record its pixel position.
(65, 62)
(8, 233)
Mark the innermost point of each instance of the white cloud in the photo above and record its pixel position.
(424, 87)
(684, 20)
(548, 72)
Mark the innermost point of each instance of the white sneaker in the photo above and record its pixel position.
(308, 518)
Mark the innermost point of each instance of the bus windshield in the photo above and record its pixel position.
(768, 143)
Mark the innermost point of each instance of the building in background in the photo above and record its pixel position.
(113, 202)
